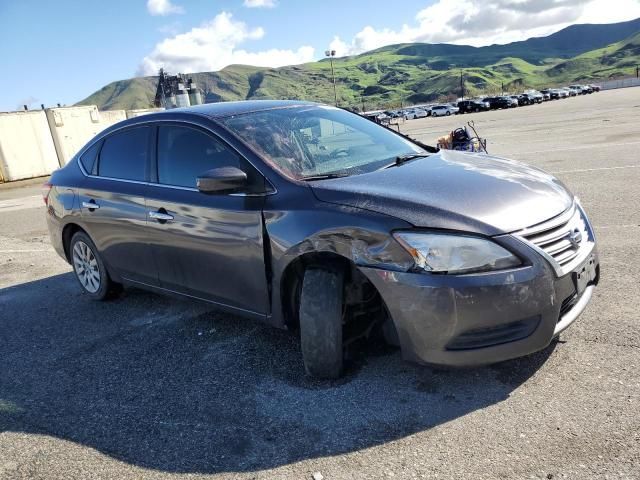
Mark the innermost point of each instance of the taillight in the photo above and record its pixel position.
(46, 189)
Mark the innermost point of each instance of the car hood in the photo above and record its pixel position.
(454, 190)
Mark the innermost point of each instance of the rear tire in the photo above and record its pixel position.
(321, 303)
(89, 268)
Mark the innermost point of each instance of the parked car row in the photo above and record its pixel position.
(504, 101)
(570, 91)
(529, 97)
(475, 105)
(411, 113)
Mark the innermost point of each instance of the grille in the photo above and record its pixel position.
(564, 239)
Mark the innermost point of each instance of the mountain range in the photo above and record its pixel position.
(414, 72)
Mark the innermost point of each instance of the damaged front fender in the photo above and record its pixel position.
(363, 247)
(359, 236)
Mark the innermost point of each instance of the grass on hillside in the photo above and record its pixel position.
(390, 76)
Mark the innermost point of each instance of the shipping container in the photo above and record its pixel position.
(26, 146)
(72, 127)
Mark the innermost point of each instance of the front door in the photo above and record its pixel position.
(204, 245)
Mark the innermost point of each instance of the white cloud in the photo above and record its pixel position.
(214, 45)
(163, 7)
(172, 28)
(484, 22)
(606, 11)
(259, 3)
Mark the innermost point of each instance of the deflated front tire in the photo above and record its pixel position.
(321, 304)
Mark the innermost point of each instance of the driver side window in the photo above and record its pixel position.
(184, 153)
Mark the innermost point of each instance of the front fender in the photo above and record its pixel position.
(360, 236)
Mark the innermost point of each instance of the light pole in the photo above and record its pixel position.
(451, 67)
(331, 54)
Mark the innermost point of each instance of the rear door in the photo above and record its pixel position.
(206, 245)
(112, 201)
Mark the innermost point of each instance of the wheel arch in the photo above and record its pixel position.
(358, 289)
(69, 230)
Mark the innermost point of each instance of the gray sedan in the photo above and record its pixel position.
(320, 221)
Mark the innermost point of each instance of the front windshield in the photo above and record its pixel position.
(317, 140)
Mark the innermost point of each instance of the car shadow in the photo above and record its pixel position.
(170, 385)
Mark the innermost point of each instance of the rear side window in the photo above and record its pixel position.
(185, 153)
(124, 154)
(88, 158)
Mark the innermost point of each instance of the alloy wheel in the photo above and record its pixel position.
(86, 267)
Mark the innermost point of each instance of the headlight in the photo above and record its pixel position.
(446, 253)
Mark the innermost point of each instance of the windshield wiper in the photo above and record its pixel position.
(400, 159)
(324, 176)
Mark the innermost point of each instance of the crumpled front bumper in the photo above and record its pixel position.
(464, 320)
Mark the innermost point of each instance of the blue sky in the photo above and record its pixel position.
(62, 51)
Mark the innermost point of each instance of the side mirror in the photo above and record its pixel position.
(221, 180)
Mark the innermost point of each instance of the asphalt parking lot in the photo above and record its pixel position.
(148, 386)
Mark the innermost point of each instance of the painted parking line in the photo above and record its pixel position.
(24, 251)
(581, 147)
(627, 225)
(577, 170)
(12, 204)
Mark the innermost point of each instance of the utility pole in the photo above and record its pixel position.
(461, 85)
(331, 54)
(502, 88)
(362, 98)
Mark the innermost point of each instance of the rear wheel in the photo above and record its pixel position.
(321, 307)
(89, 268)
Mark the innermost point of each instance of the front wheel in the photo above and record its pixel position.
(321, 302)
(89, 268)
(448, 113)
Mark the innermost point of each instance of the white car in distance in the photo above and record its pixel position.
(411, 113)
(443, 110)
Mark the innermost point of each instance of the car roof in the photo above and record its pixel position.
(211, 110)
(228, 109)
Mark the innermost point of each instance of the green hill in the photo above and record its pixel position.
(617, 59)
(414, 73)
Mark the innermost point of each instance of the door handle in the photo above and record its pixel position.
(161, 216)
(91, 205)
